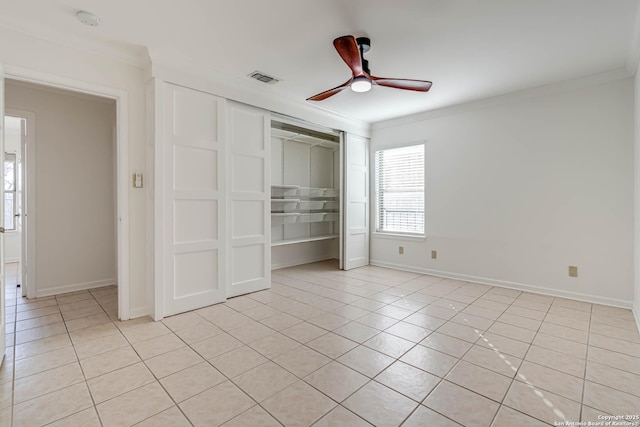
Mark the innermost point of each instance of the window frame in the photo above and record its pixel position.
(375, 224)
(13, 157)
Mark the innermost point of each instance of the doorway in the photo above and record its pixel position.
(71, 189)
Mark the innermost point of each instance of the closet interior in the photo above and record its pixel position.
(305, 194)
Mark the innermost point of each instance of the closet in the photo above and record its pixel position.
(238, 191)
(305, 194)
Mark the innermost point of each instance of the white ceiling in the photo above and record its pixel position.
(470, 49)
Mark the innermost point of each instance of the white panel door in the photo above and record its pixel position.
(193, 199)
(249, 230)
(356, 203)
(2, 267)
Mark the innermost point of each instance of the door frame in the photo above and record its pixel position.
(122, 163)
(27, 239)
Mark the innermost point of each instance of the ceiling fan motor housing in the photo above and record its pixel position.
(364, 43)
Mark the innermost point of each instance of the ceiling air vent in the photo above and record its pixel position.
(264, 78)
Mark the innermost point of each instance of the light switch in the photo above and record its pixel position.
(137, 180)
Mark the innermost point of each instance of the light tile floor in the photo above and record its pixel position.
(323, 347)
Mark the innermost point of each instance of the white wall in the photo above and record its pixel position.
(521, 187)
(22, 54)
(74, 188)
(12, 144)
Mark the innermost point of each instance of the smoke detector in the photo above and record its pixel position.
(88, 18)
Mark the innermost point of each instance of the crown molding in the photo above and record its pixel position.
(130, 55)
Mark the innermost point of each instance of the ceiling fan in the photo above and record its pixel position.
(352, 51)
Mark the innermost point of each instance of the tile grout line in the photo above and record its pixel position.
(586, 365)
(297, 297)
(95, 406)
(524, 356)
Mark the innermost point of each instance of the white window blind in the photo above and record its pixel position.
(400, 190)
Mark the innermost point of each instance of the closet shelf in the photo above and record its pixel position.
(284, 205)
(285, 186)
(310, 192)
(304, 139)
(284, 190)
(314, 205)
(280, 218)
(284, 218)
(311, 217)
(288, 191)
(304, 239)
(303, 206)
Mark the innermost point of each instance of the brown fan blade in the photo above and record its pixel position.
(348, 50)
(408, 84)
(327, 93)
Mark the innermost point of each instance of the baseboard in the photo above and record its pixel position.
(595, 299)
(74, 287)
(300, 262)
(636, 314)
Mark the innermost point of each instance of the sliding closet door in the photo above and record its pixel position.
(356, 203)
(193, 189)
(249, 173)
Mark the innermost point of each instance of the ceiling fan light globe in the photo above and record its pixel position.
(361, 84)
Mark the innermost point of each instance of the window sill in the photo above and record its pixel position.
(414, 237)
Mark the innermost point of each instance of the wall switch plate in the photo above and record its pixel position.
(137, 180)
(573, 271)
(401, 250)
(434, 254)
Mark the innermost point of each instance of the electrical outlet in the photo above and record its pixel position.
(573, 271)
(401, 250)
(434, 254)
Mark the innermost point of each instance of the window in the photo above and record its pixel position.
(399, 178)
(9, 191)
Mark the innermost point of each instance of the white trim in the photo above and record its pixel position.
(342, 192)
(122, 163)
(74, 287)
(157, 202)
(137, 57)
(550, 89)
(11, 260)
(613, 302)
(397, 236)
(636, 315)
(293, 263)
